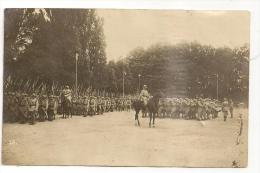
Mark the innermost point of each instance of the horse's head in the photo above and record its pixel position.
(156, 96)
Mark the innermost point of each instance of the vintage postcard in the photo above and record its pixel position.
(110, 87)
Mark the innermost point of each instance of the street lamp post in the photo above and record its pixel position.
(76, 80)
(217, 86)
(139, 83)
(124, 84)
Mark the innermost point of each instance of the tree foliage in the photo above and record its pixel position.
(187, 69)
(41, 45)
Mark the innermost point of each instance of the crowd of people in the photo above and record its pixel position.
(190, 108)
(23, 107)
(197, 108)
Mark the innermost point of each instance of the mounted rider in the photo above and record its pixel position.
(144, 95)
(67, 93)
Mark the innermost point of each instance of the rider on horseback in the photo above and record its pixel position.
(144, 95)
(66, 93)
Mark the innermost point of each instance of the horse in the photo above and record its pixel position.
(144, 110)
(153, 106)
(66, 107)
(138, 106)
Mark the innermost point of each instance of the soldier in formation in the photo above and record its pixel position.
(198, 108)
(28, 107)
(23, 107)
(98, 105)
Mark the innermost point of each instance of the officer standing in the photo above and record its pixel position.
(33, 108)
(52, 107)
(231, 107)
(225, 108)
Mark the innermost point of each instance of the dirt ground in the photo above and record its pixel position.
(113, 139)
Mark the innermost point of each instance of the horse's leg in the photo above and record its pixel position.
(63, 113)
(138, 122)
(150, 116)
(153, 118)
(70, 111)
(146, 112)
(136, 117)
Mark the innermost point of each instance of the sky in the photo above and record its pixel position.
(126, 30)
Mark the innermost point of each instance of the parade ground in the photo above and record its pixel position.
(113, 139)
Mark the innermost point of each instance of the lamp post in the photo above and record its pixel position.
(217, 85)
(124, 73)
(139, 83)
(76, 80)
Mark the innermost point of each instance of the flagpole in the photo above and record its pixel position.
(76, 81)
(217, 86)
(123, 84)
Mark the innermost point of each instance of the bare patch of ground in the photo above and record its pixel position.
(112, 139)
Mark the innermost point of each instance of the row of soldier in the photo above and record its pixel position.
(84, 105)
(23, 107)
(197, 108)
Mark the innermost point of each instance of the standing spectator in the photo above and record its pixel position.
(231, 107)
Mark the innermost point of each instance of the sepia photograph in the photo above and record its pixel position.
(126, 87)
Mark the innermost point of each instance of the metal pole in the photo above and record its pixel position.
(123, 84)
(76, 81)
(139, 82)
(217, 86)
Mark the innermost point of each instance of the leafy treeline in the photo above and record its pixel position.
(41, 45)
(186, 69)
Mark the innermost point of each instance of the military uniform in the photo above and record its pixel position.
(23, 107)
(13, 107)
(67, 94)
(108, 104)
(144, 96)
(43, 107)
(7, 114)
(128, 104)
(81, 104)
(99, 106)
(59, 108)
(86, 106)
(113, 105)
(32, 108)
(92, 109)
(74, 105)
(231, 108)
(103, 104)
(52, 107)
(225, 109)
